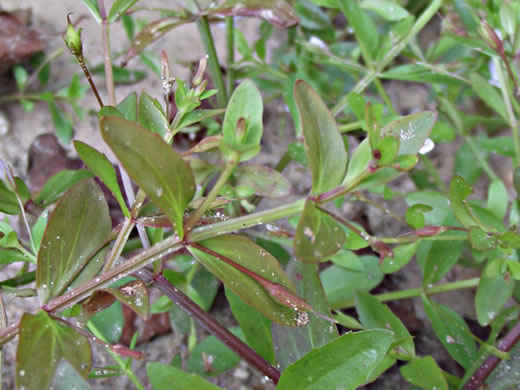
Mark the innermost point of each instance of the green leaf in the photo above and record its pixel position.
(420, 74)
(323, 143)
(8, 200)
(128, 107)
(293, 343)
(411, 130)
(78, 225)
(296, 151)
(348, 260)
(364, 28)
(343, 363)
(375, 315)
(164, 376)
(452, 331)
(246, 253)
(415, 217)
(459, 191)
(150, 34)
(134, 295)
(263, 180)
(44, 73)
(8, 256)
(67, 378)
(110, 322)
(425, 373)
(42, 345)
(246, 102)
(93, 8)
(358, 162)
(480, 240)
(39, 228)
(312, 17)
(119, 8)
(402, 256)
(164, 176)
(151, 115)
(63, 125)
(340, 284)
(56, 186)
(317, 235)
(498, 199)
(218, 355)
(494, 289)
(438, 259)
(388, 10)
(488, 94)
(256, 326)
(98, 163)
(21, 76)
(196, 116)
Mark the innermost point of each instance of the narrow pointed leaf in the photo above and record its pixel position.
(386, 9)
(163, 376)
(98, 163)
(364, 28)
(150, 34)
(488, 94)
(245, 104)
(164, 176)
(375, 315)
(343, 363)
(317, 235)
(411, 130)
(119, 8)
(56, 186)
(196, 116)
(323, 143)
(340, 284)
(452, 331)
(79, 224)
(279, 13)
(128, 107)
(211, 357)
(251, 256)
(459, 191)
(67, 378)
(263, 180)
(425, 373)
(151, 115)
(256, 326)
(293, 343)
(43, 344)
(494, 289)
(134, 295)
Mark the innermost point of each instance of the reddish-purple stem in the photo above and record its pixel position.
(211, 325)
(485, 369)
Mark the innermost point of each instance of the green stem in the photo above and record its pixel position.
(407, 239)
(510, 114)
(413, 293)
(214, 65)
(119, 244)
(120, 362)
(384, 96)
(394, 51)
(190, 223)
(358, 125)
(230, 54)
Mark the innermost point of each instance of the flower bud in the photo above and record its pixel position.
(197, 79)
(72, 39)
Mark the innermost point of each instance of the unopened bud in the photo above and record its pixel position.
(197, 79)
(201, 88)
(7, 175)
(490, 36)
(168, 80)
(240, 130)
(72, 39)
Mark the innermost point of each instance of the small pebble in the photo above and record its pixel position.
(4, 124)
